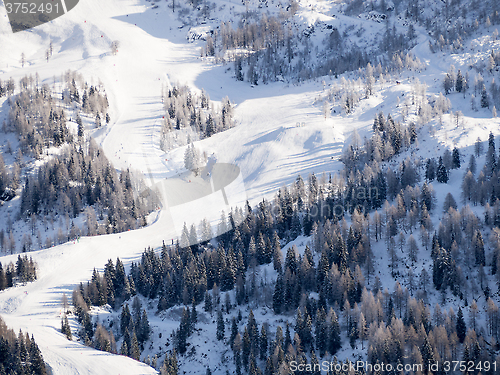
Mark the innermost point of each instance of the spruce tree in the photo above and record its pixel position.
(334, 342)
(430, 169)
(478, 246)
(460, 326)
(263, 343)
(491, 162)
(279, 295)
(455, 158)
(220, 326)
(485, 102)
(459, 84)
(442, 173)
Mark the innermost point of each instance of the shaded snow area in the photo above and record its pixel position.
(282, 129)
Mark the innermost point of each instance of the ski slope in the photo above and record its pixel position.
(266, 145)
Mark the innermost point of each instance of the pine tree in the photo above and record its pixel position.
(183, 332)
(478, 246)
(456, 158)
(491, 162)
(459, 84)
(208, 302)
(279, 295)
(80, 126)
(37, 364)
(460, 326)
(220, 326)
(125, 319)
(485, 102)
(170, 366)
(442, 173)
(334, 342)
(65, 328)
(263, 343)
(448, 83)
(430, 170)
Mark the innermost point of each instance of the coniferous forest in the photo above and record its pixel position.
(330, 292)
(190, 117)
(19, 354)
(75, 180)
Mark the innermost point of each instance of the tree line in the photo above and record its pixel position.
(19, 354)
(189, 117)
(82, 177)
(23, 271)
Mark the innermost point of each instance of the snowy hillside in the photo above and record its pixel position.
(297, 122)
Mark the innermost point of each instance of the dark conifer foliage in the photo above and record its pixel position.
(189, 117)
(83, 177)
(38, 119)
(19, 354)
(442, 172)
(22, 272)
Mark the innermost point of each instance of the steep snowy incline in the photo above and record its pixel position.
(36, 307)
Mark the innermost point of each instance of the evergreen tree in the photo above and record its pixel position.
(220, 326)
(125, 319)
(183, 331)
(37, 364)
(80, 126)
(134, 351)
(65, 328)
(491, 162)
(448, 83)
(456, 158)
(334, 342)
(478, 246)
(170, 366)
(459, 84)
(485, 102)
(442, 172)
(460, 326)
(263, 343)
(279, 295)
(430, 170)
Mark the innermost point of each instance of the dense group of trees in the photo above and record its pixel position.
(83, 177)
(23, 271)
(189, 117)
(113, 287)
(272, 48)
(350, 302)
(340, 267)
(36, 115)
(77, 178)
(19, 354)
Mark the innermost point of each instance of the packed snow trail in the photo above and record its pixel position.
(36, 307)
